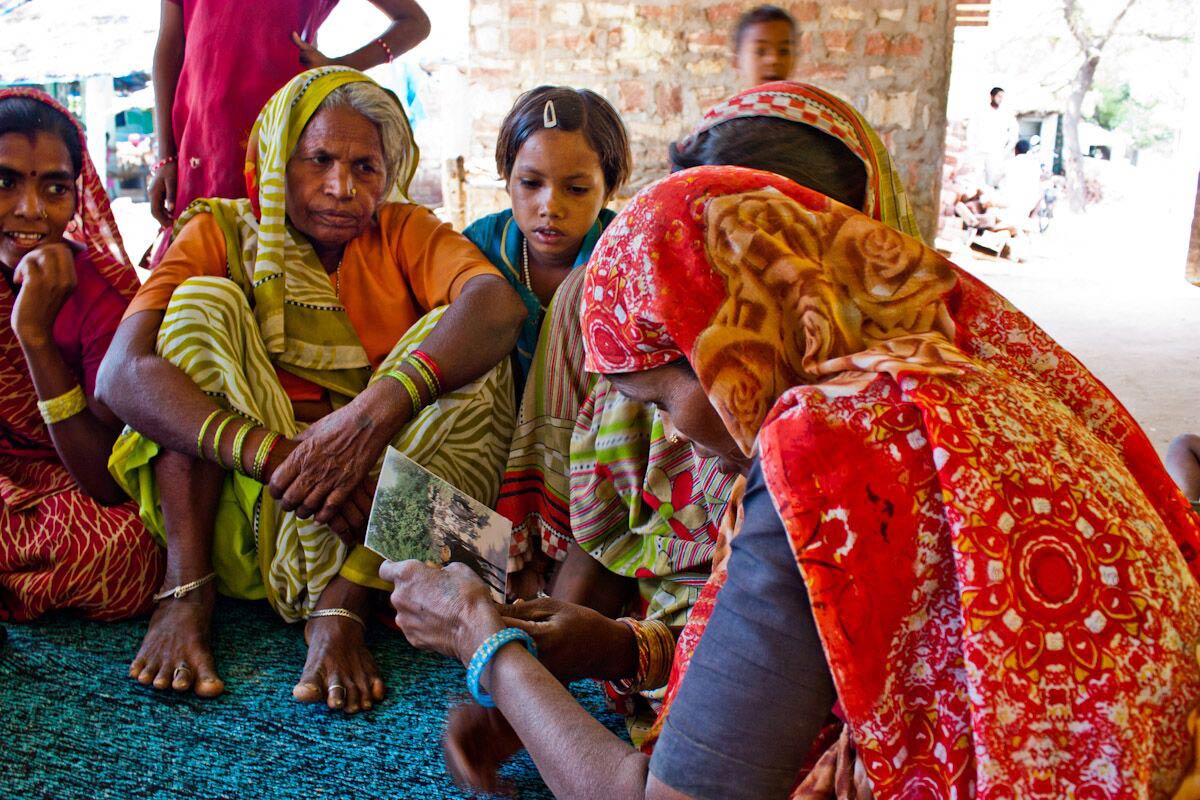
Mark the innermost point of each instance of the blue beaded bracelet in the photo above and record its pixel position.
(484, 655)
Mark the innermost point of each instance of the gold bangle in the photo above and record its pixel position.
(337, 612)
(204, 430)
(217, 440)
(656, 652)
(239, 443)
(661, 642)
(63, 407)
(410, 386)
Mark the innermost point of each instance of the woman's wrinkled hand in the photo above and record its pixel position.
(445, 609)
(329, 468)
(310, 56)
(161, 193)
(574, 641)
(45, 278)
(475, 745)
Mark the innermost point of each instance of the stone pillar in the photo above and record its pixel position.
(663, 62)
(97, 99)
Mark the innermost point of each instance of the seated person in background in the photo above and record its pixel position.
(1183, 463)
(764, 46)
(979, 209)
(563, 154)
(940, 530)
(69, 538)
(1021, 189)
(284, 342)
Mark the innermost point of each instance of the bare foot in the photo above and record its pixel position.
(339, 668)
(175, 653)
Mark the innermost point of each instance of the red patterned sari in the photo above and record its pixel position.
(59, 548)
(1002, 573)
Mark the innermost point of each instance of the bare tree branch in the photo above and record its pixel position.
(1115, 23)
(1074, 19)
(1155, 37)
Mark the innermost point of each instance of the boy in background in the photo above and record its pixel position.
(764, 46)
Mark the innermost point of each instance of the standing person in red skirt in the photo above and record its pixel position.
(216, 65)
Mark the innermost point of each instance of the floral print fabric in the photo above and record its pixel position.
(1002, 575)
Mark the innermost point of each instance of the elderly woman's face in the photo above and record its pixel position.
(336, 178)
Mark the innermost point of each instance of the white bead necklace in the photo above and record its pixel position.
(525, 268)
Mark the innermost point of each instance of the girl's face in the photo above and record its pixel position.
(686, 410)
(37, 193)
(557, 191)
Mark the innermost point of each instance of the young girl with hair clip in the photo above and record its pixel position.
(563, 154)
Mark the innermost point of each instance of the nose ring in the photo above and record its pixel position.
(353, 191)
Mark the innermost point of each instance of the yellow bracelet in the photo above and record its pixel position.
(65, 406)
(410, 386)
(264, 451)
(204, 432)
(217, 440)
(239, 444)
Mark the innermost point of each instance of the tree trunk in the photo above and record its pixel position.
(1080, 86)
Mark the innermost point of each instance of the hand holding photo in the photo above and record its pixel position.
(418, 515)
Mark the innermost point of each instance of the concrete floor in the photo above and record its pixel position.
(1109, 287)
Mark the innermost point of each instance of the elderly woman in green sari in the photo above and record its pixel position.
(282, 344)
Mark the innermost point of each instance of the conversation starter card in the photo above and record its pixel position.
(418, 515)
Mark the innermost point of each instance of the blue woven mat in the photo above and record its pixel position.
(72, 725)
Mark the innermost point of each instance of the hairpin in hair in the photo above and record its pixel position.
(549, 115)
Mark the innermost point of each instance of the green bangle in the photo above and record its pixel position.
(410, 386)
(425, 374)
(203, 431)
(217, 439)
(264, 450)
(239, 443)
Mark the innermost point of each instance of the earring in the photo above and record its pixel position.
(549, 115)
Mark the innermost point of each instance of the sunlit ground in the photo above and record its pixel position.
(1109, 286)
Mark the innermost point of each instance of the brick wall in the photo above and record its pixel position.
(663, 63)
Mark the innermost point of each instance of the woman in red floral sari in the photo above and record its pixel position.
(67, 538)
(999, 573)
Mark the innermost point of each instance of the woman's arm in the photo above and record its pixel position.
(165, 69)
(334, 456)
(760, 652)
(583, 580)
(449, 610)
(410, 26)
(173, 410)
(46, 279)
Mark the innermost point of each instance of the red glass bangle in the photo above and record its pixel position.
(162, 163)
(433, 367)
